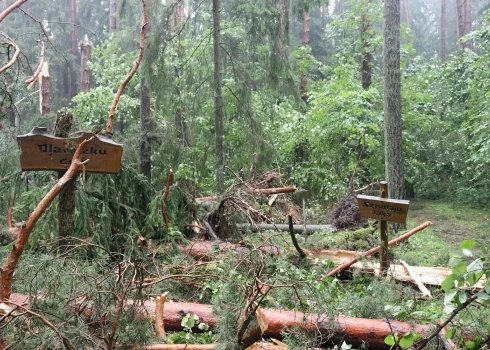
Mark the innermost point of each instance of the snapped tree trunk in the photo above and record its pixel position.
(460, 27)
(367, 55)
(113, 15)
(218, 108)
(66, 200)
(283, 16)
(467, 23)
(443, 30)
(85, 49)
(394, 162)
(145, 119)
(44, 95)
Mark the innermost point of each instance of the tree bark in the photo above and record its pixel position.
(467, 23)
(367, 55)
(85, 70)
(44, 94)
(218, 108)
(324, 16)
(306, 43)
(406, 13)
(460, 21)
(443, 30)
(74, 50)
(394, 162)
(66, 200)
(352, 330)
(282, 16)
(145, 118)
(113, 15)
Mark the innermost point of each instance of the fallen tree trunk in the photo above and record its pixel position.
(285, 227)
(352, 330)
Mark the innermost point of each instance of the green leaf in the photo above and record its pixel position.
(470, 344)
(408, 339)
(468, 253)
(448, 283)
(482, 296)
(462, 296)
(450, 333)
(391, 340)
(475, 266)
(467, 244)
(450, 296)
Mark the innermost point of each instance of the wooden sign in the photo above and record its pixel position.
(41, 151)
(393, 210)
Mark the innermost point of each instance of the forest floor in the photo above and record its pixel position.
(452, 222)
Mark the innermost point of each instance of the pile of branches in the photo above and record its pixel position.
(262, 198)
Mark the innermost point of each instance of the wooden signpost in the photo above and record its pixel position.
(383, 209)
(41, 151)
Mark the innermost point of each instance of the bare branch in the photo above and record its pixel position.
(9, 9)
(14, 57)
(112, 110)
(7, 271)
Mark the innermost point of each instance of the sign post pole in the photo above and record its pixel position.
(384, 261)
(383, 209)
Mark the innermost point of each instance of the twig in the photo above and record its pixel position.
(65, 340)
(366, 187)
(301, 253)
(112, 110)
(421, 344)
(375, 250)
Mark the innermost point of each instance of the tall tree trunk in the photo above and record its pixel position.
(406, 13)
(145, 119)
(113, 15)
(460, 21)
(443, 30)
(218, 108)
(394, 162)
(180, 122)
(66, 199)
(324, 11)
(306, 43)
(283, 19)
(367, 55)
(44, 95)
(467, 23)
(85, 70)
(74, 50)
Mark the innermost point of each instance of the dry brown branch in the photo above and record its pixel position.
(112, 110)
(9, 9)
(159, 324)
(39, 67)
(165, 196)
(65, 340)
(14, 57)
(375, 250)
(7, 271)
(9, 218)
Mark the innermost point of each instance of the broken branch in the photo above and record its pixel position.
(112, 110)
(375, 250)
(159, 324)
(14, 57)
(38, 70)
(9, 9)
(7, 271)
(301, 253)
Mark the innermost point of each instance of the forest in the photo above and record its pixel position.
(244, 174)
